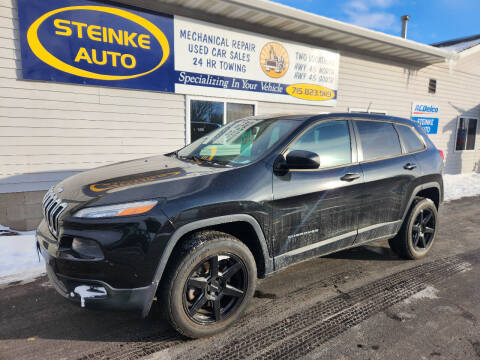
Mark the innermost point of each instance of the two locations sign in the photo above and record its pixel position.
(427, 116)
(85, 42)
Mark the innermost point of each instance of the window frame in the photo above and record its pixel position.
(189, 98)
(404, 149)
(353, 145)
(456, 133)
(359, 141)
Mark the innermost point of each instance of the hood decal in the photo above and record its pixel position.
(101, 187)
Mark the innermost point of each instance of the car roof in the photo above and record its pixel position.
(378, 117)
(316, 117)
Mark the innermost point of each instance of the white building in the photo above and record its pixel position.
(194, 65)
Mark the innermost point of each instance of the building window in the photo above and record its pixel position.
(466, 133)
(207, 114)
(432, 86)
(367, 111)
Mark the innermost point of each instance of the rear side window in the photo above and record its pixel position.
(330, 140)
(410, 139)
(378, 139)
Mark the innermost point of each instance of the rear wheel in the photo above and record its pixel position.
(209, 285)
(418, 231)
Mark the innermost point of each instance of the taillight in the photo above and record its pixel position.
(442, 154)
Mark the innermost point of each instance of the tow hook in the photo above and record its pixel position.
(88, 292)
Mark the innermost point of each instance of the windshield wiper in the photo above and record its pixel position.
(197, 159)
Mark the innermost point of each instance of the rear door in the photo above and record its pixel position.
(389, 175)
(316, 211)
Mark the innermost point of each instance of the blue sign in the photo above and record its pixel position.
(86, 42)
(426, 115)
(230, 83)
(428, 124)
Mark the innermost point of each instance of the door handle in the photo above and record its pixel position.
(409, 166)
(350, 177)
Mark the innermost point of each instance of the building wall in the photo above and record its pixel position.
(21, 210)
(49, 131)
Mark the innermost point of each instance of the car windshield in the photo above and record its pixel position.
(239, 142)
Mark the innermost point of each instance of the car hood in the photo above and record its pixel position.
(148, 178)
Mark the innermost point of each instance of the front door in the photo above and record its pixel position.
(316, 211)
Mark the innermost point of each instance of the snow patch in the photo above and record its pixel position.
(465, 266)
(428, 293)
(19, 259)
(461, 185)
(88, 292)
(461, 46)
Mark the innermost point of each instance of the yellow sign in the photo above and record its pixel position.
(274, 60)
(310, 92)
(97, 35)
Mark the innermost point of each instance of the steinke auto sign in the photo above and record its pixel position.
(88, 42)
(83, 42)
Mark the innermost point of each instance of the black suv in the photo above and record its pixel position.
(195, 228)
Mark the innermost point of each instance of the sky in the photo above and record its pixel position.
(431, 21)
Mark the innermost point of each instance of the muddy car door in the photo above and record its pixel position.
(315, 211)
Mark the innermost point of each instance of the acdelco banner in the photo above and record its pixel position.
(426, 115)
(93, 43)
(217, 61)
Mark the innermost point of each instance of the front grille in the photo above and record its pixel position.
(52, 209)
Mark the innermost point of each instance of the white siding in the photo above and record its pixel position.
(49, 131)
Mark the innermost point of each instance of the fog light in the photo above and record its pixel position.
(87, 249)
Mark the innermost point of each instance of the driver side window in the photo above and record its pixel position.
(330, 140)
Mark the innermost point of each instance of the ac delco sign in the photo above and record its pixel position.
(89, 43)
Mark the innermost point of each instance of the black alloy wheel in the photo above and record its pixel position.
(423, 229)
(209, 283)
(417, 234)
(215, 288)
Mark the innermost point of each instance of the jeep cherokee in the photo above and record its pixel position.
(195, 228)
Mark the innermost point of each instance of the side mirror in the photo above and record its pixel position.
(302, 159)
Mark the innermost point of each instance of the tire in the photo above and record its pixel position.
(417, 234)
(198, 303)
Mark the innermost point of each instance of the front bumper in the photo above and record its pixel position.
(134, 299)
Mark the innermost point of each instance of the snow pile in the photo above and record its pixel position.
(19, 260)
(461, 185)
(428, 293)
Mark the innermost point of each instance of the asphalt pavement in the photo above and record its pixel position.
(363, 303)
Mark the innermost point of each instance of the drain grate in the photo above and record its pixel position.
(299, 334)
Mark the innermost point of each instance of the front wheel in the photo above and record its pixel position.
(209, 285)
(418, 231)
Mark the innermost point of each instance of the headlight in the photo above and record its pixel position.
(133, 208)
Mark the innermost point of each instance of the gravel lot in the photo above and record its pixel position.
(363, 303)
